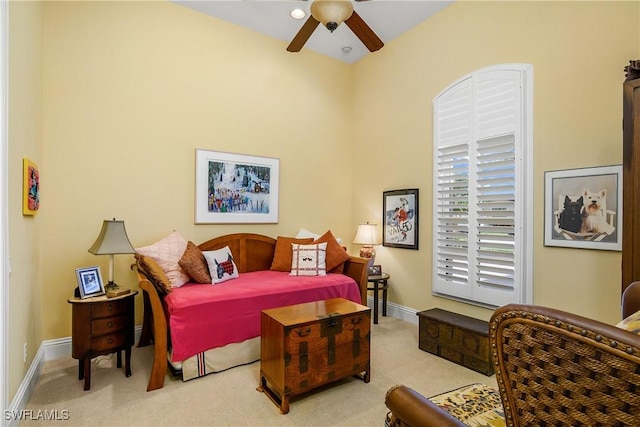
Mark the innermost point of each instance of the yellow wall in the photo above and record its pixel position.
(25, 140)
(578, 51)
(131, 89)
(114, 97)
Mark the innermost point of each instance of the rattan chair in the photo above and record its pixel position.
(552, 368)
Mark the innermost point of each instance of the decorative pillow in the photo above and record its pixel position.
(222, 267)
(194, 264)
(309, 260)
(631, 323)
(336, 255)
(154, 273)
(282, 254)
(167, 253)
(474, 404)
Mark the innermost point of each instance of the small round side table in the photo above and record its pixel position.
(380, 283)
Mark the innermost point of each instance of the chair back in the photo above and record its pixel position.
(557, 368)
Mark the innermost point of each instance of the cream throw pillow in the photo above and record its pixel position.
(309, 260)
(167, 253)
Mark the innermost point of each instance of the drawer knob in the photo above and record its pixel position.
(110, 340)
(110, 324)
(109, 307)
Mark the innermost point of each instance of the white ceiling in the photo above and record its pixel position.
(387, 18)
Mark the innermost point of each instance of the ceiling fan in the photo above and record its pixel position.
(332, 13)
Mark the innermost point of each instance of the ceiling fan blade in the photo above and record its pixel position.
(364, 32)
(303, 35)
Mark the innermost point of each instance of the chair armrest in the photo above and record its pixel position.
(416, 410)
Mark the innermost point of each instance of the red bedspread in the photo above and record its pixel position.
(202, 317)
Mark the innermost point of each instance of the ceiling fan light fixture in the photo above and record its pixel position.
(331, 13)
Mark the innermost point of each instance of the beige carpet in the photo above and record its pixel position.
(230, 398)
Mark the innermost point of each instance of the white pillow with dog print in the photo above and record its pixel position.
(221, 265)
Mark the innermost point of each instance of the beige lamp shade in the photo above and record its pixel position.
(331, 12)
(112, 240)
(367, 235)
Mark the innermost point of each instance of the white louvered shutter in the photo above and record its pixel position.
(452, 129)
(478, 187)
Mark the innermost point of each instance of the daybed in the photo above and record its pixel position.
(552, 368)
(208, 328)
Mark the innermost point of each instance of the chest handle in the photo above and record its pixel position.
(303, 332)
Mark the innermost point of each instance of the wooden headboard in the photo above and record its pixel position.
(254, 252)
(251, 252)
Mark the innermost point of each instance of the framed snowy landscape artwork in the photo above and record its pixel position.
(235, 188)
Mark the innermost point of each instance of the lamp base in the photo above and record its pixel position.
(113, 290)
(368, 252)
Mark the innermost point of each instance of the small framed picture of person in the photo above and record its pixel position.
(89, 282)
(375, 270)
(400, 218)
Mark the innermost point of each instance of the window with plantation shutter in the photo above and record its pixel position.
(482, 187)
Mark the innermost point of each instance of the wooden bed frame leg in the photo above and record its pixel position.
(154, 328)
(146, 334)
(159, 370)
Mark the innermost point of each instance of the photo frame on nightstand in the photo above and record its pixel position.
(90, 282)
(375, 270)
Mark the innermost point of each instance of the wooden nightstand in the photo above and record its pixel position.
(102, 325)
(380, 283)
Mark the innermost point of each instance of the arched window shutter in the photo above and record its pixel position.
(479, 176)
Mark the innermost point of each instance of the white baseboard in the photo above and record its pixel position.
(396, 310)
(27, 386)
(49, 350)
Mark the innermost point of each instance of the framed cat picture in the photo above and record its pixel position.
(583, 208)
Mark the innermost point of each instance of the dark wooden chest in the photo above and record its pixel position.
(460, 339)
(307, 345)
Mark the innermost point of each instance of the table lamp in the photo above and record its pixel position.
(112, 240)
(367, 235)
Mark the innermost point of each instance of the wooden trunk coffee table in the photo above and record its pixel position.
(304, 346)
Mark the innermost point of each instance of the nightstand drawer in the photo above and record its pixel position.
(106, 342)
(109, 308)
(107, 325)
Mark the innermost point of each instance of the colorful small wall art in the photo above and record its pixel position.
(31, 188)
